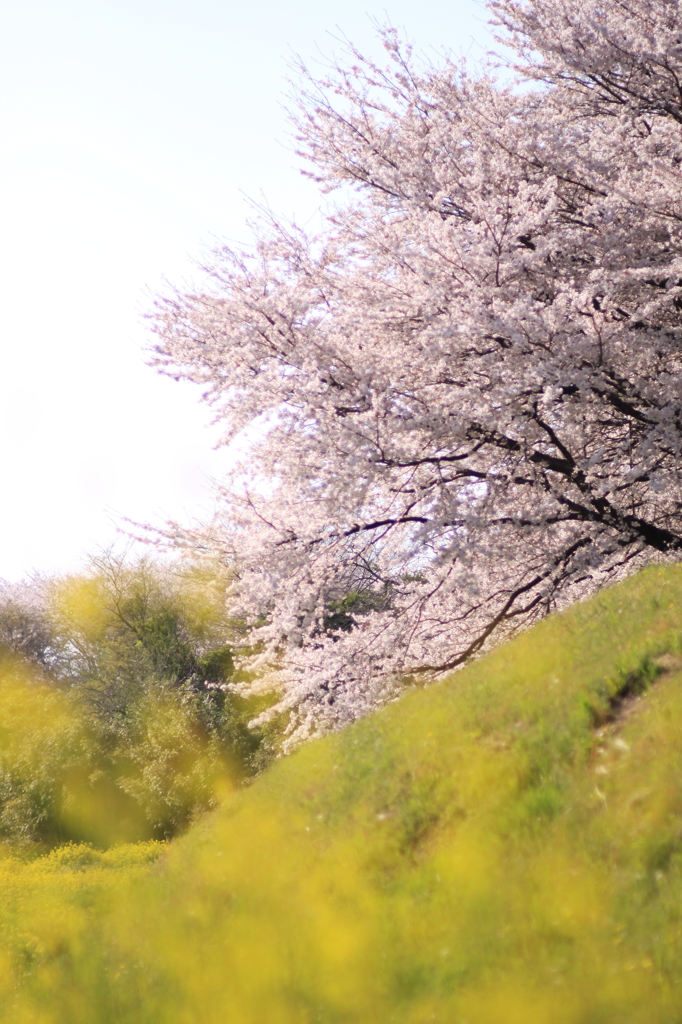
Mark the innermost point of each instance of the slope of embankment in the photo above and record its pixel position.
(501, 847)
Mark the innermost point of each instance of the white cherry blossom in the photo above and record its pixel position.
(468, 385)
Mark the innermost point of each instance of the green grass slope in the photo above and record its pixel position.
(502, 847)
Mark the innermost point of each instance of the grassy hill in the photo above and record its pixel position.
(502, 847)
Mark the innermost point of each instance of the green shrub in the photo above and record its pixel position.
(116, 724)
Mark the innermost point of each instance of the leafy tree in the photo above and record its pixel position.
(129, 626)
(26, 631)
(135, 630)
(474, 372)
(117, 719)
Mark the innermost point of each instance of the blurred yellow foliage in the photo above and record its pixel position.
(81, 603)
(448, 859)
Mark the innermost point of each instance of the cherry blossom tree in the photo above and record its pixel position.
(465, 392)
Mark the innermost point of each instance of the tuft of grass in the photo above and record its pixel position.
(504, 846)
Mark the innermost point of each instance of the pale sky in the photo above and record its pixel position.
(131, 133)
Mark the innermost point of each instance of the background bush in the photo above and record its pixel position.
(116, 724)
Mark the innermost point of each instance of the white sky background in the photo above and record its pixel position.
(130, 133)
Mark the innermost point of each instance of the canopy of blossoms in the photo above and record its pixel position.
(466, 389)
